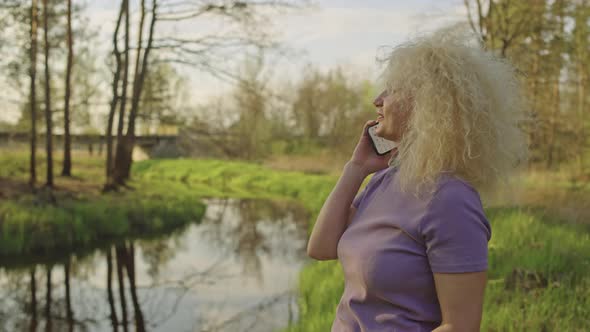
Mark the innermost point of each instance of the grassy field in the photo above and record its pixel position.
(539, 264)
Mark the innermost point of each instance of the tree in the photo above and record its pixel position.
(328, 106)
(306, 109)
(22, 16)
(162, 100)
(198, 52)
(121, 124)
(547, 41)
(253, 124)
(67, 161)
(33, 93)
(48, 123)
(125, 146)
(500, 23)
(83, 72)
(141, 70)
(557, 45)
(580, 64)
(115, 98)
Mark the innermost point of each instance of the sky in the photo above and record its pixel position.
(331, 33)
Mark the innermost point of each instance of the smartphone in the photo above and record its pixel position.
(380, 144)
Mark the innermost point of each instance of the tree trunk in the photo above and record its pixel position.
(67, 162)
(123, 167)
(33, 96)
(557, 49)
(120, 150)
(123, 160)
(48, 123)
(113, 108)
(533, 88)
(553, 124)
(582, 123)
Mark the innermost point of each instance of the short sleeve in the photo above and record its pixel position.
(359, 197)
(455, 230)
(357, 200)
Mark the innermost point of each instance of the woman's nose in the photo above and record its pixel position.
(378, 102)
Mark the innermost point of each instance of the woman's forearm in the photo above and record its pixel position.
(333, 216)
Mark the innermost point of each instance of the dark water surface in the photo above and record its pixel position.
(235, 271)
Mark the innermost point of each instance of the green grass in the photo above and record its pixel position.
(240, 179)
(27, 228)
(87, 219)
(522, 238)
(559, 251)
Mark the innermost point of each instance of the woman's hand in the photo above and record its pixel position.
(365, 157)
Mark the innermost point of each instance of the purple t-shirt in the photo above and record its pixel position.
(393, 245)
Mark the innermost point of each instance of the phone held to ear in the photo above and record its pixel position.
(380, 144)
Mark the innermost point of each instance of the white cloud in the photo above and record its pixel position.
(352, 36)
(347, 33)
(336, 33)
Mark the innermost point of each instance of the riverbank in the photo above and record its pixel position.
(539, 266)
(80, 216)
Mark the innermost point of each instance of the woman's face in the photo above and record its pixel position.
(392, 118)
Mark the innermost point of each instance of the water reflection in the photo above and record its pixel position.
(234, 271)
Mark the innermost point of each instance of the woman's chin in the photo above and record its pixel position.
(379, 132)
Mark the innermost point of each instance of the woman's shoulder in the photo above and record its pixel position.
(379, 174)
(454, 189)
(450, 182)
(383, 171)
(456, 202)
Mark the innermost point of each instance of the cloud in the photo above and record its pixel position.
(352, 35)
(342, 32)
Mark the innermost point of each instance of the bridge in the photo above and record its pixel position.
(144, 141)
(86, 141)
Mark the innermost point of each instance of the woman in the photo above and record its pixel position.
(413, 243)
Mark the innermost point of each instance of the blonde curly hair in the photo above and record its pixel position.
(467, 107)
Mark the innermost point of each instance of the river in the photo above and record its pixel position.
(236, 270)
